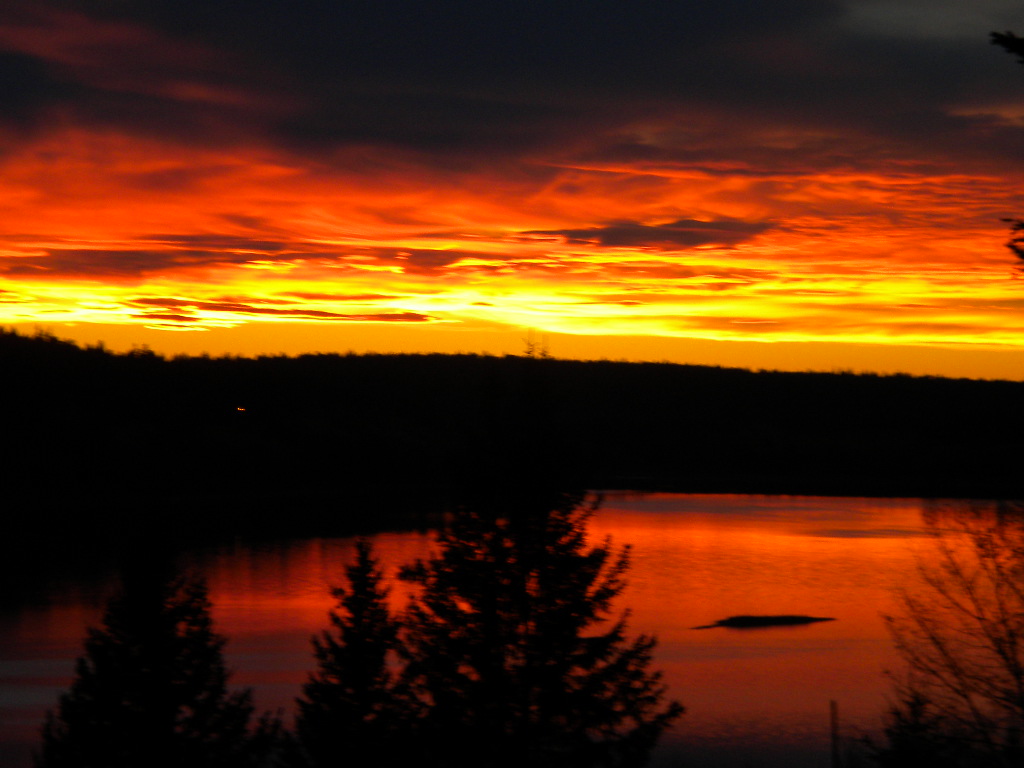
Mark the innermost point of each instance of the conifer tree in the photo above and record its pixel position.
(151, 689)
(351, 704)
(509, 646)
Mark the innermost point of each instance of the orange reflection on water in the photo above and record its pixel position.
(695, 560)
(698, 559)
(270, 602)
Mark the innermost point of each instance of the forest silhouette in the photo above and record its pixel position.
(221, 444)
(509, 654)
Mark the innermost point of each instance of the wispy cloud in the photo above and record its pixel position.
(674, 235)
(792, 169)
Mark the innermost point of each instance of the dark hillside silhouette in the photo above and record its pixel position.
(223, 443)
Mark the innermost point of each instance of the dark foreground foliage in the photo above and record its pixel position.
(960, 702)
(511, 636)
(507, 655)
(151, 689)
(355, 702)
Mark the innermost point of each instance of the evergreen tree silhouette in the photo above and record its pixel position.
(352, 703)
(508, 646)
(151, 689)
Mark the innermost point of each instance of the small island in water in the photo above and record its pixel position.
(754, 622)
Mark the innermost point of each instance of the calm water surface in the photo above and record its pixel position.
(754, 697)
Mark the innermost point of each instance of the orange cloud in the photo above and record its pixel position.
(96, 221)
(157, 174)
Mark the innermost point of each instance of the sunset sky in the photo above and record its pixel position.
(790, 184)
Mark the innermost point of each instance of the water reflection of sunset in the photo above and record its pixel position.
(726, 556)
(695, 559)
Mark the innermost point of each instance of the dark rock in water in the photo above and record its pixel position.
(753, 622)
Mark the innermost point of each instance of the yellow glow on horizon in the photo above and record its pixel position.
(108, 230)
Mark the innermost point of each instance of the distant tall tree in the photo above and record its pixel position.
(508, 647)
(151, 689)
(352, 703)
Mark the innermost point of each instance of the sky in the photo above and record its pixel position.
(779, 184)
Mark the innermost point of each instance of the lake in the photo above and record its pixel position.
(753, 697)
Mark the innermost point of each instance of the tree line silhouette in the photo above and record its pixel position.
(230, 440)
(509, 654)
